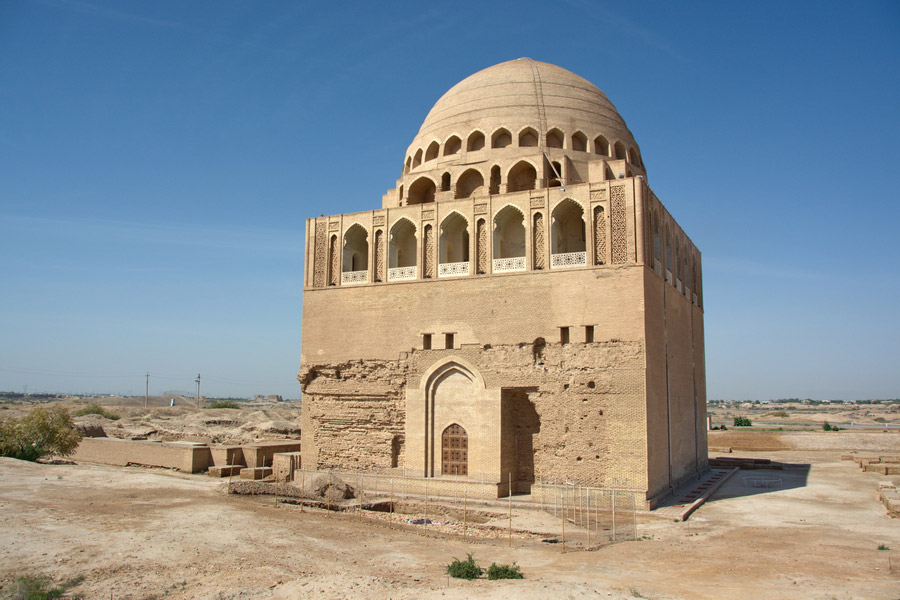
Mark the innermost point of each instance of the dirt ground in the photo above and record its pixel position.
(142, 533)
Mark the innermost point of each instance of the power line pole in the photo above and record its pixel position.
(147, 390)
(198, 389)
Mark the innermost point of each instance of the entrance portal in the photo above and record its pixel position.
(454, 451)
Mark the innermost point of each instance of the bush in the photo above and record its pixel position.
(742, 422)
(880, 420)
(96, 409)
(223, 404)
(464, 569)
(826, 426)
(782, 414)
(512, 571)
(41, 432)
(41, 588)
(884, 547)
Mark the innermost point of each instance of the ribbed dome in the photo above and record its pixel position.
(518, 94)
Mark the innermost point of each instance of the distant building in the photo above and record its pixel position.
(522, 306)
(269, 398)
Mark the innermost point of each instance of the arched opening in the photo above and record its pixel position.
(421, 191)
(657, 244)
(495, 180)
(579, 142)
(628, 173)
(567, 239)
(528, 138)
(469, 183)
(555, 138)
(454, 451)
(633, 156)
(475, 141)
(601, 146)
(454, 246)
(355, 259)
(509, 240)
(521, 177)
(400, 189)
(452, 145)
(620, 151)
(554, 173)
(402, 251)
(417, 159)
(432, 152)
(445, 182)
(501, 138)
(408, 163)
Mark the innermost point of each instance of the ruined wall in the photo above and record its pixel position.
(569, 411)
(186, 457)
(353, 414)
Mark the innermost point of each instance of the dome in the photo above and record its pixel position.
(522, 106)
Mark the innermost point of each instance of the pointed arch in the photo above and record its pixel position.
(619, 149)
(469, 183)
(417, 158)
(601, 146)
(452, 145)
(528, 138)
(421, 191)
(521, 177)
(475, 141)
(454, 244)
(431, 152)
(501, 138)
(402, 249)
(555, 138)
(567, 234)
(509, 233)
(355, 252)
(579, 142)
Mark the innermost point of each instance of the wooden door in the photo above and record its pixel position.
(454, 451)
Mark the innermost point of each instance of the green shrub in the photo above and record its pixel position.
(41, 432)
(742, 422)
(783, 414)
(826, 426)
(41, 587)
(223, 404)
(95, 409)
(884, 547)
(464, 569)
(880, 420)
(512, 571)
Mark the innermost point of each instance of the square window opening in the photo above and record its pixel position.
(448, 341)
(563, 335)
(426, 341)
(588, 334)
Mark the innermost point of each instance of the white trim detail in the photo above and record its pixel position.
(563, 260)
(508, 265)
(354, 277)
(457, 269)
(401, 273)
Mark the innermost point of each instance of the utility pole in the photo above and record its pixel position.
(198, 389)
(147, 390)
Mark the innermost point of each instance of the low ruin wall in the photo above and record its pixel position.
(184, 456)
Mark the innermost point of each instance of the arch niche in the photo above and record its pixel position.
(451, 401)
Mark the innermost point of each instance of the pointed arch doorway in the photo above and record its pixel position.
(454, 451)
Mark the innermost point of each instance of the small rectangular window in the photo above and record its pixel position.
(563, 335)
(426, 341)
(448, 341)
(588, 334)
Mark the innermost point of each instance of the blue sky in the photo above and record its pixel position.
(158, 160)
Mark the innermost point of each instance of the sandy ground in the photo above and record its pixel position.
(140, 533)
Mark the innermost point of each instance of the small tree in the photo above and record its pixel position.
(742, 422)
(41, 432)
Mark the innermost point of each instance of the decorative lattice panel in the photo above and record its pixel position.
(335, 252)
(379, 255)
(618, 225)
(429, 251)
(320, 268)
(481, 251)
(599, 236)
(538, 245)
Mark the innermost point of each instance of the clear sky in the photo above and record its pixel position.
(158, 160)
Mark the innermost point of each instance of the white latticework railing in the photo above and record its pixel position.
(568, 259)
(354, 277)
(457, 269)
(507, 265)
(401, 273)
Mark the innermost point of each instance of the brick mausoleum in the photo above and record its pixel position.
(522, 307)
